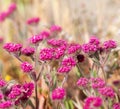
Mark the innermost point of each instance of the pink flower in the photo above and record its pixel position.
(59, 52)
(15, 92)
(110, 44)
(58, 93)
(3, 16)
(92, 103)
(64, 69)
(28, 51)
(33, 21)
(46, 54)
(11, 9)
(2, 83)
(97, 83)
(5, 104)
(73, 48)
(116, 106)
(56, 42)
(11, 47)
(69, 62)
(94, 40)
(26, 67)
(55, 28)
(82, 82)
(107, 91)
(1, 96)
(45, 34)
(36, 39)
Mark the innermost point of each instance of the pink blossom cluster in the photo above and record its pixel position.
(83, 82)
(34, 20)
(109, 44)
(6, 104)
(2, 83)
(58, 93)
(107, 92)
(56, 42)
(116, 106)
(26, 67)
(92, 103)
(28, 51)
(72, 48)
(55, 29)
(97, 83)
(66, 65)
(7, 13)
(45, 33)
(12, 47)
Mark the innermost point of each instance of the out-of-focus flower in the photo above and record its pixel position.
(11, 9)
(116, 106)
(28, 51)
(82, 82)
(1, 39)
(45, 34)
(97, 83)
(3, 16)
(36, 39)
(11, 47)
(94, 40)
(92, 103)
(6, 104)
(33, 21)
(110, 44)
(2, 83)
(58, 94)
(1, 96)
(107, 91)
(55, 29)
(26, 67)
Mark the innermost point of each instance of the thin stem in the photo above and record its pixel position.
(36, 96)
(64, 80)
(80, 71)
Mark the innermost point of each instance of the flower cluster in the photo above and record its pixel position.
(55, 29)
(58, 93)
(82, 82)
(26, 67)
(33, 21)
(92, 103)
(11, 47)
(28, 51)
(7, 13)
(116, 106)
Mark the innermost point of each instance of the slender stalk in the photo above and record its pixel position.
(36, 96)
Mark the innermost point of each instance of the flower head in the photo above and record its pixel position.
(11, 9)
(92, 103)
(94, 40)
(107, 91)
(58, 94)
(45, 34)
(33, 21)
(64, 69)
(28, 51)
(5, 104)
(72, 48)
(55, 28)
(11, 47)
(2, 83)
(83, 82)
(26, 67)
(116, 106)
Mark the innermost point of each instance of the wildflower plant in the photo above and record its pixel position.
(43, 50)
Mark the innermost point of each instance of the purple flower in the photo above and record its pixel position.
(92, 103)
(28, 51)
(94, 40)
(26, 67)
(64, 69)
(107, 91)
(11, 47)
(5, 104)
(46, 54)
(73, 48)
(97, 83)
(2, 83)
(82, 82)
(3, 16)
(15, 92)
(56, 42)
(55, 28)
(45, 34)
(33, 21)
(58, 93)
(116, 106)
(70, 61)
(36, 39)
(109, 44)
(11, 9)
